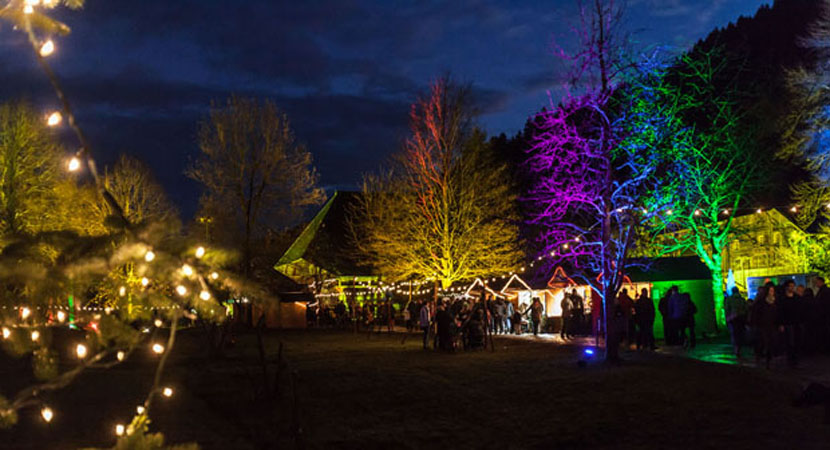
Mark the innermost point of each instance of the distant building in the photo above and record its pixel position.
(761, 245)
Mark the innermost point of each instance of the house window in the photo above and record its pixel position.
(776, 238)
(762, 239)
(759, 261)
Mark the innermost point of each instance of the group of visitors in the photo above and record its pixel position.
(795, 319)
(573, 314)
(678, 312)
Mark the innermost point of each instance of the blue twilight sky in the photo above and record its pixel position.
(143, 73)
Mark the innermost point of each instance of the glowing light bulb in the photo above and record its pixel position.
(158, 323)
(725, 212)
(119, 430)
(139, 409)
(28, 9)
(80, 350)
(120, 355)
(214, 276)
(187, 270)
(200, 252)
(167, 392)
(158, 348)
(145, 281)
(204, 295)
(149, 256)
(794, 209)
(25, 313)
(47, 414)
(565, 246)
(50, 3)
(61, 316)
(74, 164)
(122, 291)
(47, 48)
(759, 211)
(54, 119)
(697, 212)
(35, 335)
(6, 333)
(669, 212)
(181, 290)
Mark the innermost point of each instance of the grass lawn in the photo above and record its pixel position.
(377, 393)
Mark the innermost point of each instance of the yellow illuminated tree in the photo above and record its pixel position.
(445, 210)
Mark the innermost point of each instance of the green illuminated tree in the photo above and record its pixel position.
(714, 167)
(445, 210)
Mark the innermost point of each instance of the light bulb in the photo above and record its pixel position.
(697, 212)
(139, 409)
(54, 119)
(200, 252)
(158, 348)
(47, 48)
(122, 291)
(158, 323)
(74, 164)
(794, 209)
(187, 270)
(47, 413)
(50, 3)
(80, 350)
(181, 290)
(61, 316)
(6, 333)
(120, 355)
(725, 212)
(25, 313)
(28, 9)
(669, 212)
(145, 281)
(149, 256)
(167, 392)
(119, 430)
(35, 335)
(759, 211)
(214, 275)
(204, 295)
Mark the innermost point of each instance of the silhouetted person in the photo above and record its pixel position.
(424, 321)
(644, 315)
(567, 311)
(736, 310)
(789, 321)
(535, 311)
(443, 322)
(763, 317)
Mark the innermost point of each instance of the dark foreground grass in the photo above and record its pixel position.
(354, 393)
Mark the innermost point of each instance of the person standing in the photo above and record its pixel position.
(678, 312)
(763, 316)
(509, 310)
(789, 321)
(535, 311)
(688, 322)
(644, 314)
(424, 321)
(823, 305)
(499, 311)
(627, 308)
(443, 322)
(565, 304)
(735, 309)
(663, 307)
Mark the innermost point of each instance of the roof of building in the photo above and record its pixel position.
(325, 241)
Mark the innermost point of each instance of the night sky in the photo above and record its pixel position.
(143, 73)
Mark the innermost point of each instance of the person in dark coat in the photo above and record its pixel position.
(763, 318)
(644, 314)
(536, 309)
(823, 304)
(736, 310)
(789, 321)
(663, 307)
(626, 305)
(444, 323)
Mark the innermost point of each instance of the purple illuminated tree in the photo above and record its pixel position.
(595, 160)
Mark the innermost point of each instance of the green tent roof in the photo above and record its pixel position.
(300, 245)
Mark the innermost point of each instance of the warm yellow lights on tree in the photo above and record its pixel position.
(81, 351)
(35, 335)
(54, 119)
(158, 323)
(120, 355)
(167, 392)
(204, 295)
(122, 291)
(145, 281)
(214, 276)
(119, 430)
(187, 271)
(181, 290)
(47, 414)
(25, 313)
(74, 164)
(6, 333)
(47, 48)
(200, 252)
(61, 316)
(158, 348)
(149, 256)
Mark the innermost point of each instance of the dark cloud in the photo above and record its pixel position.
(142, 74)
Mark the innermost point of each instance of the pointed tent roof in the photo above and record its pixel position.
(300, 245)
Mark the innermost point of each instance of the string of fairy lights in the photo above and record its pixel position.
(60, 315)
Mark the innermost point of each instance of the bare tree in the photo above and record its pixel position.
(253, 172)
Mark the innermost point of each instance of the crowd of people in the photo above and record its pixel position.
(784, 318)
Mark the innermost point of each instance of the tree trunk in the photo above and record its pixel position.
(717, 293)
